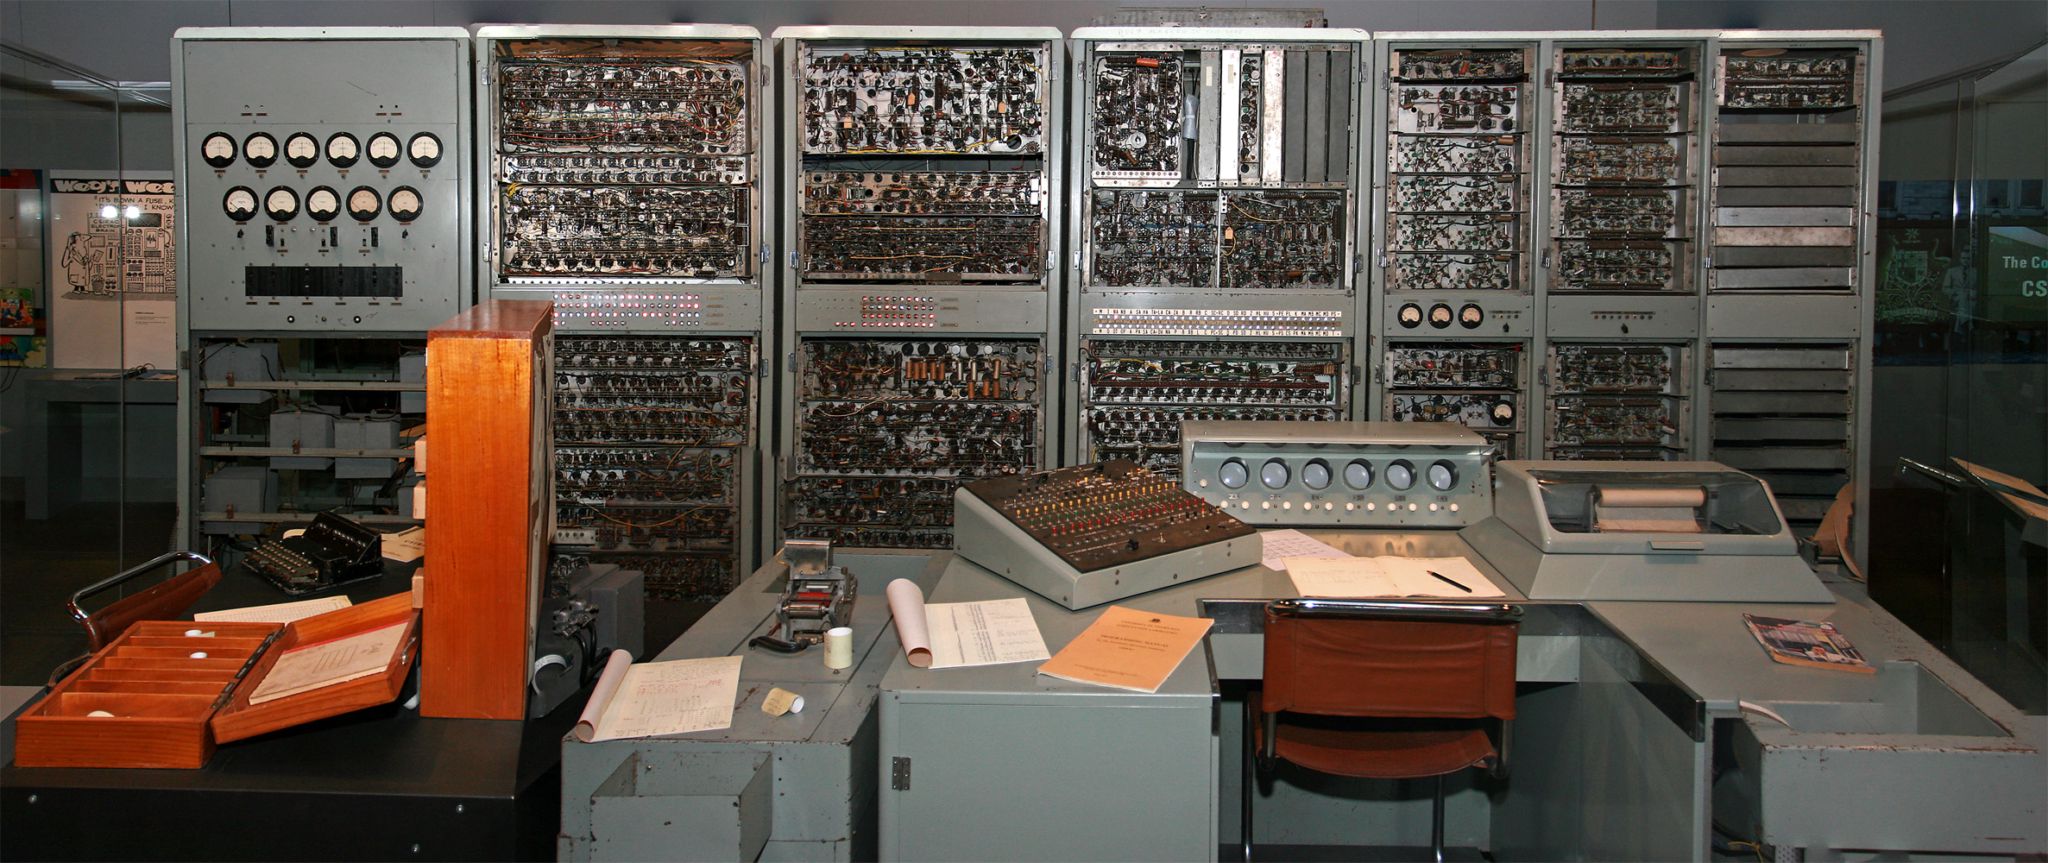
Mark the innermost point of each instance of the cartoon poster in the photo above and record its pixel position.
(23, 324)
(113, 267)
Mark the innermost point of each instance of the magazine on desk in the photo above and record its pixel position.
(1816, 644)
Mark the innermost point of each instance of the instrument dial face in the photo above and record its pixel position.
(1274, 473)
(239, 203)
(301, 151)
(1440, 316)
(1442, 475)
(383, 149)
(323, 203)
(343, 149)
(364, 204)
(259, 150)
(1233, 474)
(1358, 475)
(1470, 316)
(281, 204)
(218, 149)
(424, 149)
(1410, 315)
(1503, 413)
(1401, 475)
(1316, 475)
(404, 203)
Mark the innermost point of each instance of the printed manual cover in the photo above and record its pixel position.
(1806, 642)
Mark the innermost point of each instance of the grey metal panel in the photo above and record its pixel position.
(1295, 127)
(1783, 458)
(1208, 108)
(1786, 277)
(1272, 110)
(1788, 133)
(1784, 256)
(1316, 118)
(1341, 122)
(1727, 379)
(1780, 403)
(1726, 155)
(1774, 176)
(1743, 217)
(1787, 196)
(1817, 357)
(1784, 236)
(696, 806)
(1783, 315)
(1782, 483)
(1781, 428)
(1229, 94)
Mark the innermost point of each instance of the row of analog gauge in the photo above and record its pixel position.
(322, 203)
(1469, 315)
(302, 150)
(1317, 474)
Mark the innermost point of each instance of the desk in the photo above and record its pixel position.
(378, 784)
(1622, 709)
(53, 455)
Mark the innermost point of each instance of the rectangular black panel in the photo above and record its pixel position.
(371, 281)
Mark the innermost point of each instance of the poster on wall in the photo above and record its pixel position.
(113, 283)
(23, 324)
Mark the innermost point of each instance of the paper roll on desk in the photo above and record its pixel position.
(906, 605)
(962, 634)
(601, 695)
(1648, 509)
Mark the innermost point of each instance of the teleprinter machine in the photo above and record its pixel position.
(1664, 531)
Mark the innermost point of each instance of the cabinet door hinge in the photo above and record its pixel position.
(899, 772)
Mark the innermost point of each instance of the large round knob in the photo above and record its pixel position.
(1316, 475)
(1273, 473)
(1358, 475)
(1400, 475)
(1443, 475)
(1233, 474)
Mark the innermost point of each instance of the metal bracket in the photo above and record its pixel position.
(899, 772)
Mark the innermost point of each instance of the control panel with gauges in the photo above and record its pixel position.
(311, 207)
(1340, 474)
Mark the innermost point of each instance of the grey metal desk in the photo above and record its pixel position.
(1622, 710)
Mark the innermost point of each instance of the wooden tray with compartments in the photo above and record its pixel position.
(163, 696)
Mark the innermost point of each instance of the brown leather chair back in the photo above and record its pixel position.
(1387, 659)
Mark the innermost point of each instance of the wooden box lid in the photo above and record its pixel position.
(168, 695)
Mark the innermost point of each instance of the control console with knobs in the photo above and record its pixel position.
(1340, 474)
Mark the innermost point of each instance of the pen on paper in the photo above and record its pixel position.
(1446, 579)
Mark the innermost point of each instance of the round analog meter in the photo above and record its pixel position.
(1273, 473)
(1233, 474)
(363, 203)
(383, 149)
(424, 149)
(239, 203)
(405, 203)
(218, 149)
(1470, 316)
(1440, 316)
(1358, 475)
(301, 151)
(1503, 413)
(343, 149)
(1443, 475)
(1410, 315)
(259, 150)
(323, 203)
(281, 204)
(1316, 475)
(1400, 475)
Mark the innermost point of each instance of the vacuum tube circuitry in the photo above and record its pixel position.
(921, 166)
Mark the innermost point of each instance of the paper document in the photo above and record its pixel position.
(1279, 545)
(963, 634)
(1355, 577)
(657, 698)
(406, 545)
(327, 663)
(1999, 477)
(1128, 649)
(283, 612)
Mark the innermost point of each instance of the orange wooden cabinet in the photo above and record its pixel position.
(490, 507)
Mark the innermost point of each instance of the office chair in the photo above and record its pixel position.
(1382, 690)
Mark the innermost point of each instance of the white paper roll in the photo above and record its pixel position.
(1613, 496)
(601, 694)
(906, 605)
(838, 648)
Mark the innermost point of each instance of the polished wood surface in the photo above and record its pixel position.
(166, 599)
(240, 719)
(488, 411)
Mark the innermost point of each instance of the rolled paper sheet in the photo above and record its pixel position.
(781, 701)
(906, 605)
(838, 647)
(601, 694)
(1621, 496)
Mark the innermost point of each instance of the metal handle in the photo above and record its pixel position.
(1952, 480)
(1472, 612)
(79, 614)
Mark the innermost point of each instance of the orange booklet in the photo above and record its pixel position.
(1128, 649)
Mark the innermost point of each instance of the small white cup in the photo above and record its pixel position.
(839, 647)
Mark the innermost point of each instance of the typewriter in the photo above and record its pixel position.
(332, 552)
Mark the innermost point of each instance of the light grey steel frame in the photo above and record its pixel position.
(983, 313)
(750, 295)
(191, 332)
(1349, 301)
